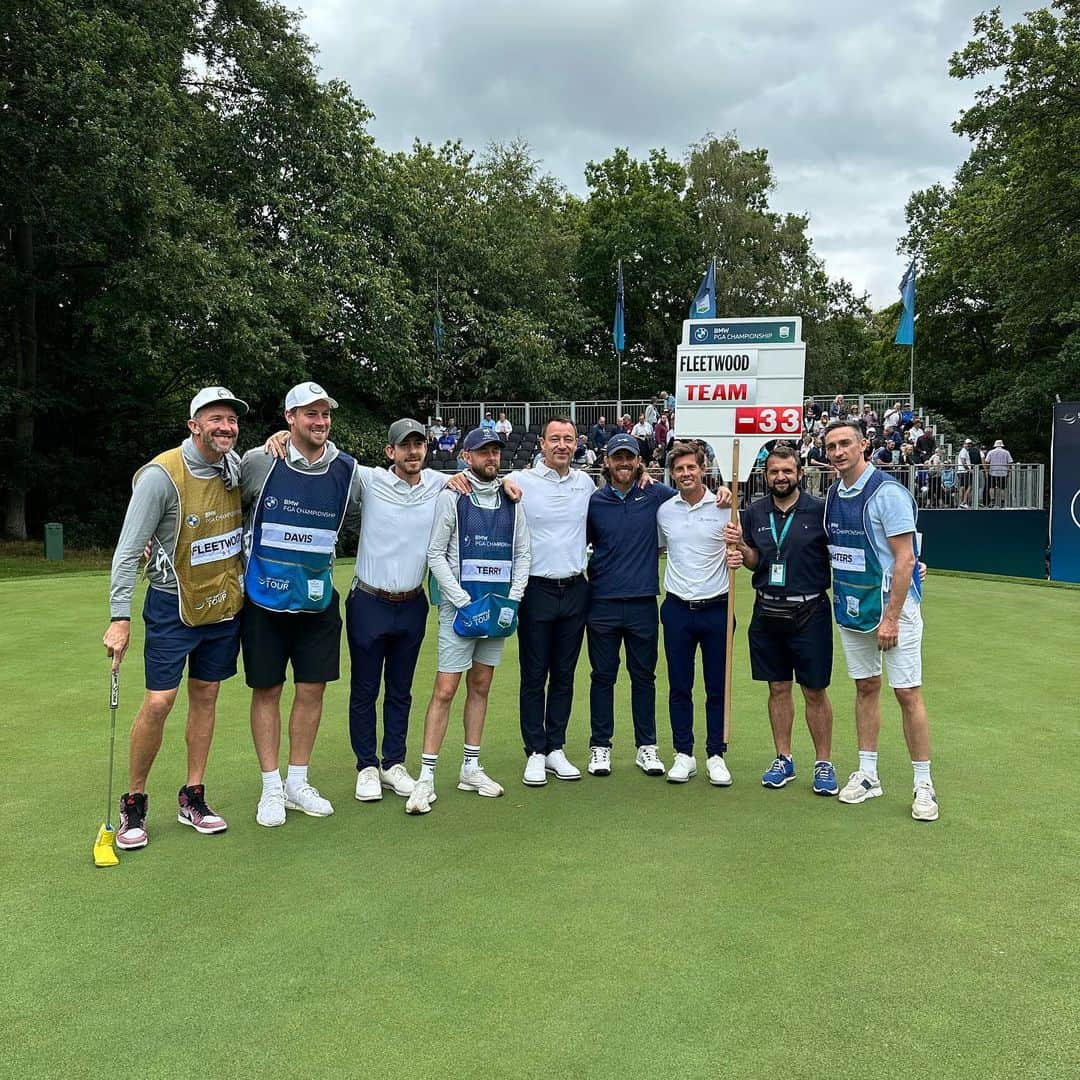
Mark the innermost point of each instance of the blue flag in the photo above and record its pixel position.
(437, 330)
(905, 332)
(618, 330)
(704, 305)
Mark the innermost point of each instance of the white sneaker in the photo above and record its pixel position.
(368, 785)
(718, 771)
(860, 787)
(599, 760)
(307, 798)
(682, 768)
(396, 778)
(271, 811)
(648, 761)
(557, 762)
(475, 779)
(534, 775)
(423, 795)
(925, 807)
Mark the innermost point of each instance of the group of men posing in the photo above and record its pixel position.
(241, 556)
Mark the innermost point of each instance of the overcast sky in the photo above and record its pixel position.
(852, 99)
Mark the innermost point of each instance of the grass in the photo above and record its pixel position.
(610, 928)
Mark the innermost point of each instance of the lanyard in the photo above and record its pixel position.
(783, 532)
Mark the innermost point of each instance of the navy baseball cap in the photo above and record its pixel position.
(623, 441)
(478, 437)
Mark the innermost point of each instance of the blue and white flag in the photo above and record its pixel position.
(437, 330)
(618, 329)
(704, 305)
(905, 332)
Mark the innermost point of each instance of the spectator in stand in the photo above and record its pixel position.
(965, 469)
(643, 432)
(626, 424)
(448, 440)
(999, 464)
(893, 416)
(453, 429)
(893, 438)
(503, 427)
(883, 456)
(805, 446)
(907, 417)
(598, 434)
(669, 401)
(487, 424)
(435, 433)
(838, 410)
(660, 434)
(914, 430)
(925, 443)
(855, 417)
(583, 457)
(869, 418)
(652, 414)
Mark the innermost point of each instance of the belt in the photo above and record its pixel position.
(697, 605)
(382, 594)
(561, 582)
(793, 599)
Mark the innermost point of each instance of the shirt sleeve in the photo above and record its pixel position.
(891, 508)
(747, 522)
(355, 501)
(149, 502)
(522, 555)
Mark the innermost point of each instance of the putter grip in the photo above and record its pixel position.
(114, 689)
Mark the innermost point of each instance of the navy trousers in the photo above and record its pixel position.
(610, 624)
(383, 636)
(686, 630)
(551, 626)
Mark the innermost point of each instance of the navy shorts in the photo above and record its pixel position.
(210, 651)
(311, 641)
(806, 654)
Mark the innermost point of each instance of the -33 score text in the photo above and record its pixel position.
(768, 420)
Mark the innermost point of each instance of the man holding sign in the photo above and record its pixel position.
(480, 556)
(870, 523)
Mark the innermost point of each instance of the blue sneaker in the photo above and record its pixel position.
(825, 778)
(779, 772)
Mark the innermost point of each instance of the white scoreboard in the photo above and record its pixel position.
(740, 377)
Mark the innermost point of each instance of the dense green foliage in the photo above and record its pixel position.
(184, 202)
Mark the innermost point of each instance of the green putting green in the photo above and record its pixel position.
(620, 927)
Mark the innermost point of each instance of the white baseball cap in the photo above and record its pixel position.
(304, 394)
(215, 395)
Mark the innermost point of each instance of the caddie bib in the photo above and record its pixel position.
(860, 585)
(206, 557)
(294, 532)
(485, 547)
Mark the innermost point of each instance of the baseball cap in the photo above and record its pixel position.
(401, 429)
(622, 441)
(211, 394)
(478, 438)
(304, 394)
(968, 442)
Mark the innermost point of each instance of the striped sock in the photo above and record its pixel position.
(427, 766)
(868, 762)
(472, 757)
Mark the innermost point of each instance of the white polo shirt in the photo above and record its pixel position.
(696, 552)
(395, 527)
(556, 508)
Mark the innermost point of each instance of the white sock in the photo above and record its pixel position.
(868, 762)
(472, 757)
(922, 773)
(297, 777)
(271, 781)
(427, 766)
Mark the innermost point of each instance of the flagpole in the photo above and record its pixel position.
(911, 375)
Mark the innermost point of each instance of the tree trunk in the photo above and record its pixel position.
(25, 377)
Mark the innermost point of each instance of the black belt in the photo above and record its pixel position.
(800, 599)
(559, 582)
(697, 605)
(382, 594)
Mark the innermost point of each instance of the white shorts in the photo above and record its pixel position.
(903, 662)
(457, 653)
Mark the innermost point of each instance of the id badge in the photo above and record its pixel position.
(778, 574)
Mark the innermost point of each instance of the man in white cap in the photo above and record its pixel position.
(186, 504)
(295, 508)
(999, 463)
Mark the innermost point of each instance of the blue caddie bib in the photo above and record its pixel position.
(860, 586)
(485, 568)
(297, 520)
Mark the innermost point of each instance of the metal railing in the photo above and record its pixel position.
(532, 415)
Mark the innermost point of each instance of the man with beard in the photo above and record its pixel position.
(624, 580)
(479, 555)
(782, 540)
(186, 504)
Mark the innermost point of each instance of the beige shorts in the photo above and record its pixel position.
(458, 653)
(903, 662)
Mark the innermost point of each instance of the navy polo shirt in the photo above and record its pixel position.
(625, 562)
(805, 548)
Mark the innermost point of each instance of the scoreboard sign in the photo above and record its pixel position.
(740, 377)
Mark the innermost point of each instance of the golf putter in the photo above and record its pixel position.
(105, 843)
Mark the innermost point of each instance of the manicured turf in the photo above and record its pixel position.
(621, 927)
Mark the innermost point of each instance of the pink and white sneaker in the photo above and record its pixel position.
(194, 811)
(131, 833)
